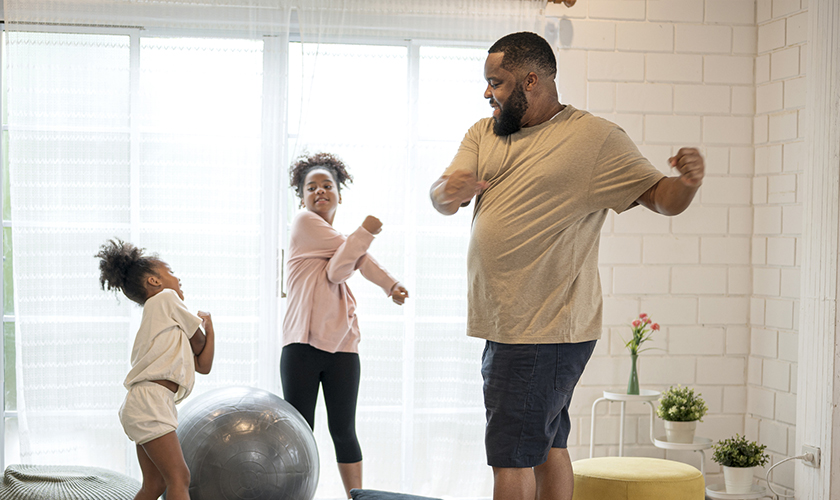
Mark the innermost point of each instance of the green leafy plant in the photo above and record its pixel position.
(642, 330)
(681, 404)
(738, 452)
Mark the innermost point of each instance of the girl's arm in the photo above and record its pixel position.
(349, 255)
(378, 275)
(398, 294)
(203, 344)
(313, 237)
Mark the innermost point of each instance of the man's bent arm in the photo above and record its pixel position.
(439, 201)
(672, 195)
(451, 192)
(669, 196)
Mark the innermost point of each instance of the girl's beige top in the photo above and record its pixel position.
(162, 349)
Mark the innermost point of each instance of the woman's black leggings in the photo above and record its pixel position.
(302, 369)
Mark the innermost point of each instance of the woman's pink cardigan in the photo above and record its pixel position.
(321, 310)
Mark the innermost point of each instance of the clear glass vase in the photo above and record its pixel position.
(633, 383)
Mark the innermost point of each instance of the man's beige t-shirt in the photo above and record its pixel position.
(532, 262)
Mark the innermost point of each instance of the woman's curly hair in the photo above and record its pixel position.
(327, 161)
(123, 266)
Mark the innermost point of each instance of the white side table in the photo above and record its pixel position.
(699, 444)
(645, 396)
(718, 492)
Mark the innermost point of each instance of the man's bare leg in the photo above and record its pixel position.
(555, 479)
(513, 483)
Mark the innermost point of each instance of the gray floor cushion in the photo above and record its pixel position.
(384, 495)
(65, 482)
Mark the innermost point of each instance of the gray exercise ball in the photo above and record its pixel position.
(247, 443)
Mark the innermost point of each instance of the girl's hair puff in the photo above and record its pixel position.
(122, 266)
(327, 161)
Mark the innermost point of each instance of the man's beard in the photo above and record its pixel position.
(510, 115)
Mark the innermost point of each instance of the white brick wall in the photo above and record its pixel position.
(681, 68)
(780, 97)
(734, 130)
(701, 99)
(728, 69)
(597, 35)
(673, 129)
(616, 66)
(617, 9)
(730, 12)
(727, 76)
(769, 97)
(696, 340)
(706, 280)
(645, 37)
(671, 250)
(784, 63)
(725, 250)
(703, 39)
(689, 11)
(641, 97)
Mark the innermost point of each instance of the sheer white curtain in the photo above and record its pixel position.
(170, 137)
(392, 87)
(177, 136)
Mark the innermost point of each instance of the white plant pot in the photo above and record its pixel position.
(680, 432)
(738, 479)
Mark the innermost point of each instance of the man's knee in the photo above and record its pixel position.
(512, 473)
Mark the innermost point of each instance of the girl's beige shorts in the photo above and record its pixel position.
(148, 412)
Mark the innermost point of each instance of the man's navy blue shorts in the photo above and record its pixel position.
(527, 392)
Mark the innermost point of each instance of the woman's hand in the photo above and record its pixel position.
(372, 225)
(399, 294)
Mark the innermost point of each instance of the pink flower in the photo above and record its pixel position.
(636, 323)
(643, 315)
(654, 326)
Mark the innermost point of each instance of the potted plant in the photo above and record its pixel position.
(642, 330)
(681, 409)
(739, 459)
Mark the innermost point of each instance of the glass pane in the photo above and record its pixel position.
(187, 186)
(451, 89)
(9, 366)
(7, 207)
(67, 81)
(418, 366)
(335, 107)
(8, 269)
(200, 185)
(68, 117)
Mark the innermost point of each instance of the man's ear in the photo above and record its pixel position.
(531, 80)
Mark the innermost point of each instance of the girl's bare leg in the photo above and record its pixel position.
(351, 476)
(153, 484)
(164, 464)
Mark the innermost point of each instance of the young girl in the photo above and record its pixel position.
(169, 348)
(320, 330)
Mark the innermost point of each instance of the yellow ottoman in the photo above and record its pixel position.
(636, 478)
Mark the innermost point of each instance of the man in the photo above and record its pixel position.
(544, 175)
